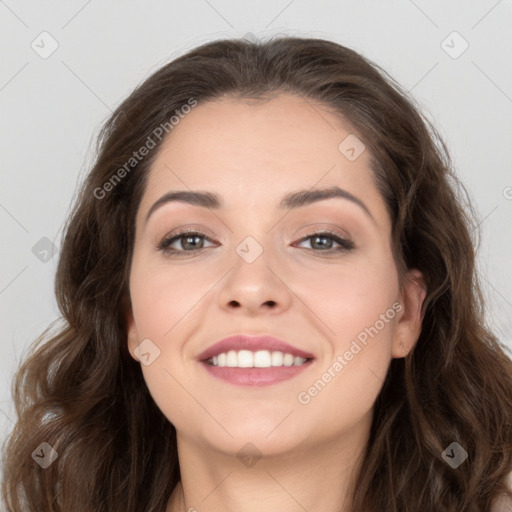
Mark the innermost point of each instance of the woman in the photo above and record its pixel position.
(270, 301)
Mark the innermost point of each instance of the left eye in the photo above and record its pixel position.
(314, 238)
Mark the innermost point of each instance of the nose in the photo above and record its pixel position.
(255, 288)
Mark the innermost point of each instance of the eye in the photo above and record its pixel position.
(324, 241)
(190, 241)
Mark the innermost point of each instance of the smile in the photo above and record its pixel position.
(248, 373)
(257, 359)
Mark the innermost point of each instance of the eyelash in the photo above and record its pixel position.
(345, 245)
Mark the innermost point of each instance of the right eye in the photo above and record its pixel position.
(190, 241)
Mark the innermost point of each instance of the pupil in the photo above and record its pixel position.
(316, 238)
(188, 240)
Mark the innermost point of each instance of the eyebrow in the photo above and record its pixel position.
(290, 201)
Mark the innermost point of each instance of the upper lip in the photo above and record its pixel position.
(253, 343)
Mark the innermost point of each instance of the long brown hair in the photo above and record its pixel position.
(80, 391)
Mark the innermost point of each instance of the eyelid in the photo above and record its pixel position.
(190, 228)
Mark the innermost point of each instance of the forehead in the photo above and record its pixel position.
(239, 128)
(251, 151)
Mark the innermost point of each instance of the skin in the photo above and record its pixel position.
(252, 154)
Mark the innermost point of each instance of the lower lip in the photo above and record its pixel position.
(255, 376)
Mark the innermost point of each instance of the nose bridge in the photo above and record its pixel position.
(253, 259)
(253, 229)
(254, 280)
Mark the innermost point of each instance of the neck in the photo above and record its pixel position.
(317, 477)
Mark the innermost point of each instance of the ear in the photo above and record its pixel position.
(131, 331)
(410, 319)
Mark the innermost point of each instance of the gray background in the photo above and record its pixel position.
(52, 109)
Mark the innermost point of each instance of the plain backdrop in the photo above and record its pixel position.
(66, 65)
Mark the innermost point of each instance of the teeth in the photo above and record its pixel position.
(277, 359)
(262, 359)
(245, 358)
(258, 359)
(231, 359)
(288, 360)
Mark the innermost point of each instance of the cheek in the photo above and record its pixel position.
(350, 296)
(162, 297)
(348, 379)
(357, 307)
(344, 391)
(163, 302)
(166, 302)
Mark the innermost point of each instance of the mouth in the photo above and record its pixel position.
(254, 360)
(260, 345)
(257, 359)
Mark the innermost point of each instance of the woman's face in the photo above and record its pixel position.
(258, 268)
